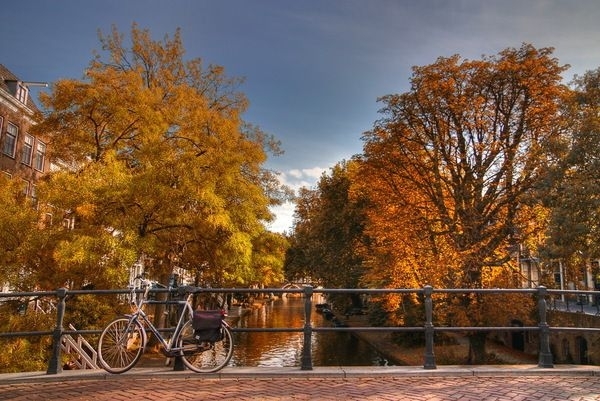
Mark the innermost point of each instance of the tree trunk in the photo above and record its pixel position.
(477, 354)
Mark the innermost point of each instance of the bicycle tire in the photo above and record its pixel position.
(205, 360)
(121, 345)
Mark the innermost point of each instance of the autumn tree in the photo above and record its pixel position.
(453, 162)
(327, 232)
(19, 223)
(156, 161)
(299, 260)
(574, 187)
(268, 258)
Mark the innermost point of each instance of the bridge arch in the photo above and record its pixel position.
(294, 286)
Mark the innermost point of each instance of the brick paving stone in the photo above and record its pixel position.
(468, 388)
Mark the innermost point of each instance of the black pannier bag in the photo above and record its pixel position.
(207, 325)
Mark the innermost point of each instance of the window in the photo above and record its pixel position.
(25, 187)
(40, 156)
(27, 150)
(46, 220)
(69, 223)
(10, 140)
(22, 93)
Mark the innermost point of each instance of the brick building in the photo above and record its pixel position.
(22, 155)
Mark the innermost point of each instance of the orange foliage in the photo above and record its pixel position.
(449, 171)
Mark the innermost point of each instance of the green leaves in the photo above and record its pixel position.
(328, 232)
(572, 188)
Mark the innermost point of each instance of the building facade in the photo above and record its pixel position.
(22, 155)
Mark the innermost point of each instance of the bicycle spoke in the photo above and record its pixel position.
(206, 357)
(120, 345)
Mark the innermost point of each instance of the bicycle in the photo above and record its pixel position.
(204, 345)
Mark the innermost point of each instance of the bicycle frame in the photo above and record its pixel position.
(140, 316)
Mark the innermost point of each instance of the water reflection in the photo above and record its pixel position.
(285, 349)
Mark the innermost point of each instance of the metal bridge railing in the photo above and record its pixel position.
(542, 294)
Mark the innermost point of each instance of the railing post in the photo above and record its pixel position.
(173, 295)
(429, 330)
(307, 348)
(545, 358)
(178, 365)
(54, 365)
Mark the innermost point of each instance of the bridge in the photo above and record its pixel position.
(296, 286)
(546, 300)
(545, 380)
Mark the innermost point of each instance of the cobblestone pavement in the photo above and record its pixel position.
(500, 388)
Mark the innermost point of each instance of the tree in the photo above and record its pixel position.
(19, 223)
(573, 189)
(158, 162)
(328, 231)
(268, 258)
(300, 262)
(461, 151)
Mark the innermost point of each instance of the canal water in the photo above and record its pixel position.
(284, 349)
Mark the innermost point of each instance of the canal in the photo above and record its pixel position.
(284, 349)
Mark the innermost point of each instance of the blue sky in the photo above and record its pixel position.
(313, 69)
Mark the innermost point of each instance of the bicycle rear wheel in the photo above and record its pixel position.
(205, 357)
(121, 345)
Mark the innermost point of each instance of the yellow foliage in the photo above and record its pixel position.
(86, 210)
(158, 162)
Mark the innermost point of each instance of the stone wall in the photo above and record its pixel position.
(578, 347)
(567, 347)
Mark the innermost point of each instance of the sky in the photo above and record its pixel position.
(313, 69)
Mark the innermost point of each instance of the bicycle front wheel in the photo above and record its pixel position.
(121, 345)
(205, 357)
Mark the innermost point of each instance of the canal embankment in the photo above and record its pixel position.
(453, 352)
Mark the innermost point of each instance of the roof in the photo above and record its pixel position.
(6, 76)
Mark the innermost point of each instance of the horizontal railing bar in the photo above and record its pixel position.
(576, 329)
(26, 334)
(490, 328)
(325, 328)
(37, 294)
(40, 294)
(484, 290)
(363, 328)
(266, 329)
(585, 292)
(367, 290)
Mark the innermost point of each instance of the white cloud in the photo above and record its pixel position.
(295, 173)
(284, 218)
(298, 178)
(314, 172)
(295, 179)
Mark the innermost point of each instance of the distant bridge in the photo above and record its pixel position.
(296, 286)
